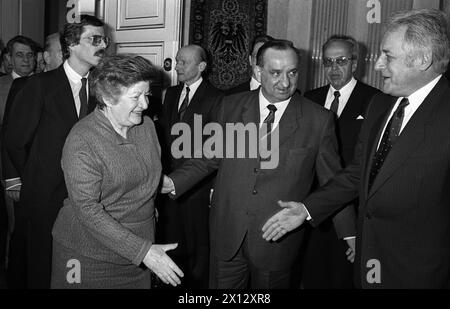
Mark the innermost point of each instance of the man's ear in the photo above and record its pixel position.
(424, 61)
(202, 66)
(46, 56)
(258, 71)
(354, 65)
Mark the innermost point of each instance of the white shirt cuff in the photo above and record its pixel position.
(307, 212)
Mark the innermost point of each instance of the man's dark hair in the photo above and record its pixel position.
(277, 45)
(72, 32)
(21, 40)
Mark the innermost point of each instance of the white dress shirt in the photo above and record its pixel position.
(345, 92)
(75, 85)
(415, 100)
(264, 111)
(192, 89)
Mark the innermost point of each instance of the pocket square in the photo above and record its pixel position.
(360, 118)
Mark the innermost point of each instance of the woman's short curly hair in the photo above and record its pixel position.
(114, 73)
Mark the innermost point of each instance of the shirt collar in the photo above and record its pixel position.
(347, 89)
(254, 84)
(193, 88)
(72, 75)
(263, 102)
(14, 75)
(417, 97)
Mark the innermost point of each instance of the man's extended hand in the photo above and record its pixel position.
(290, 217)
(167, 186)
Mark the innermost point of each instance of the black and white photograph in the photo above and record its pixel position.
(224, 151)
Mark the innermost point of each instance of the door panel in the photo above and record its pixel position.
(150, 28)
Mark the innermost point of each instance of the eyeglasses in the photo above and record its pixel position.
(96, 40)
(340, 61)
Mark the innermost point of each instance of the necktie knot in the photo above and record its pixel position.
(83, 82)
(272, 108)
(335, 104)
(401, 108)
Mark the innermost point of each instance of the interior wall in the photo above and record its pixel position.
(24, 17)
(308, 23)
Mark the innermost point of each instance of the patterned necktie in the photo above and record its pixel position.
(389, 138)
(335, 104)
(184, 105)
(83, 99)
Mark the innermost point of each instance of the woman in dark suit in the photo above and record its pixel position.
(103, 236)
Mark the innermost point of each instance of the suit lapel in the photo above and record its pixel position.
(195, 102)
(250, 111)
(411, 137)
(64, 96)
(353, 107)
(288, 122)
(173, 108)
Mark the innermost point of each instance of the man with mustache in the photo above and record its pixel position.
(40, 119)
(325, 262)
(17, 244)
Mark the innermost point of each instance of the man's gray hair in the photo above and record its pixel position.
(427, 31)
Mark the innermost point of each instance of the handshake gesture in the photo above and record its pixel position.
(289, 218)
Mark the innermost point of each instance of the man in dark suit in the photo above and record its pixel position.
(252, 83)
(185, 220)
(20, 53)
(401, 166)
(325, 264)
(303, 144)
(40, 119)
(447, 74)
(17, 246)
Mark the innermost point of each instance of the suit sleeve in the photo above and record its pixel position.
(83, 178)
(194, 170)
(23, 121)
(327, 164)
(340, 190)
(9, 171)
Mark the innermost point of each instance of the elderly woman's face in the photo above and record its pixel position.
(127, 111)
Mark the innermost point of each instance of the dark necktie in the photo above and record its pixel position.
(335, 104)
(83, 99)
(267, 129)
(388, 140)
(184, 105)
(270, 118)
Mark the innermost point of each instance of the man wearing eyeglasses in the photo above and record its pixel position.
(331, 247)
(40, 119)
